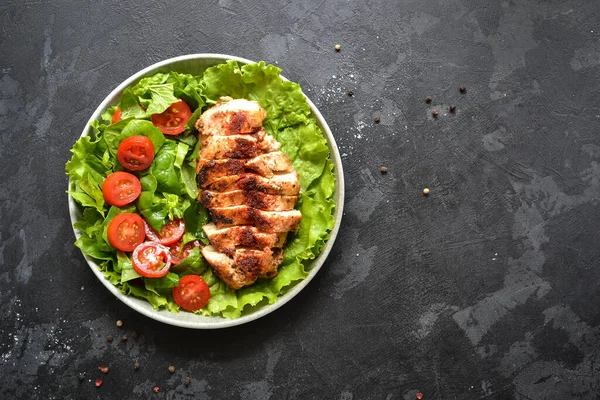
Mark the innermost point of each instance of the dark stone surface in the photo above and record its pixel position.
(487, 288)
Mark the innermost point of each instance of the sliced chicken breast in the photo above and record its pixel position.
(252, 198)
(250, 189)
(231, 117)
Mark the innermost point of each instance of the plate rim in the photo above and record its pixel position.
(201, 321)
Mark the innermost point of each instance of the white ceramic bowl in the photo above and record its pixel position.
(196, 64)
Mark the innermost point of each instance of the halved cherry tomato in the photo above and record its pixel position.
(173, 120)
(117, 116)
(169, 234)
(136, 153)
(126, 231)
(192, 293)
(180, 253)
(151, 259)
(121, 188)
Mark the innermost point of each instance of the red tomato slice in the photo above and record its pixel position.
(136, 153)
(151, 259)
(179, 253)
(169, 234)
(121, 188)
(173, 120)
(126, 231)
(117, 116)
(192, 293)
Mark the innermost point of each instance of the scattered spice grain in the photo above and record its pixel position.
(187, 381)
(452, 108)
(377, 119)
(462, 88)
(119, 323)
(383, 170)
(350, 93)
(171, 368)
(103, 369)
(98, 382)
(156, 389)
(427, 99)
(426, 191)
(338, 47)
(435, 112)
(136, 365)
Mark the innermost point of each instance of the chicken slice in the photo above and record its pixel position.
(227, 239)
(269, 163)
(209, 170)
(265, 221)
(252, 198)
(265, 164)
(231, 117)
(286, 184)
(245, 266)
(237, 146)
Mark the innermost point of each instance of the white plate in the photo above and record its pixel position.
(195, 64)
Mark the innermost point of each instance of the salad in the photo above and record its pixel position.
(135, 180)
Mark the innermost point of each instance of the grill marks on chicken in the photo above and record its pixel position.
(249, 188)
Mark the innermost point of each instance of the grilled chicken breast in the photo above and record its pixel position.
(250, 189)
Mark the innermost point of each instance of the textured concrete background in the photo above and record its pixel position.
(488, 288)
